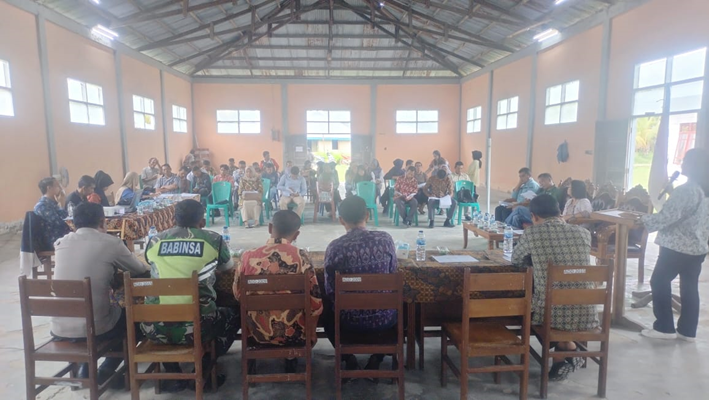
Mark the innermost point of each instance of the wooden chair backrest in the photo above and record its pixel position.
(635, 199)
(502, 306)
(275, 292)
(590, 188)
(369, 292)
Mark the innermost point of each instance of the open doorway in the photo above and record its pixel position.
(332, 148)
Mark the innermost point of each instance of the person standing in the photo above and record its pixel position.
(293, 190)
(474, 169)
(682, 228)
(268, 160)
(150, 174)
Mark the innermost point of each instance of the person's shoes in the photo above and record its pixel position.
(448, 224)
(251, 367)
(421, 211)
(408, 224)
(430, 224)
(653, 334)
(291, 365)
(404, 222)
(172, 385)
(351, 363)
(373, 365)
(685, 338)
(468, 217)
(104, 374)
(221, 379)
(560, 371)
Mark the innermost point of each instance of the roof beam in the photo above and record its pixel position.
(326, 68)
(468, 12)
(334, 59)
(151, 16)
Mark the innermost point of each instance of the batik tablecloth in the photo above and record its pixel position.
(133, 226)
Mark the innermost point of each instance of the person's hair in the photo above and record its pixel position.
(285, 222)
(224, 166)
(525, 170)
(441, 174)
(361, 168)
(206, 162)
(196, 162)
(544, 206)
(186, 169)
(242, 162)
(188, 213)
(266, 152)
(166, 165)
(695, 166)
(289, 162)
(353, 210)
(578, 190)
(231, 160)
(437, 153)
(477, 155)
(255, 163)
(307, 163)
(440, 161)
(45, 184)
(411, 168)
(153, 158)
(86, 181)
(418, 163)
(545, 175)
(88, 215)
(459, 163)
(196, 168)
(295, 170)
(409, 163)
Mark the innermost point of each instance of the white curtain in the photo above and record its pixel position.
(658, 169)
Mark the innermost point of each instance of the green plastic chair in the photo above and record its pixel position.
(470, 186)
(293, 206)
(396, 216)
(368, 191)
(221, 191)
(390, 207)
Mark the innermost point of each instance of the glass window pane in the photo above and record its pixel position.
(138, 120)
(76, 90)
(502, 107)
(78, 113)
(5, 74)
(183, 113)
(514, 104)
(687, 96)
(405, 116)
(175, 112)
(341, 116)
(94, 94)
(569, 112)
(428, 116)
(176, 125)
(554, 95)
(406, 127)
(317, 127)
(651, 73)
(250, 127)
(6, 107)
(137, 103)
(227, 127)
(477, 125)
(149, 106)
(316, 115)
(250, 115)
(571, 91)
(149, 121)
(428, 127)
(183, 126)
(502, 122)
(340, 127)
(649, 101)
(227, 115)
(478, 112)
(96, 116)
(470, 114)
(689, 65)
(512, 121)
(552, 115)
(470, 127)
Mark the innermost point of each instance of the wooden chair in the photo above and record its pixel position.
(66, 299)
(490, 337)
(319, 204)
(370, 292)
(173, 309)
(556, 296)
(269, 293)
(46, 258)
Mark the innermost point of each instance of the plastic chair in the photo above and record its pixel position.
(470, 186)
(396, 216)
(293, 206)
(390, 207)
(368, 191)
(221, 192)
(266, 183)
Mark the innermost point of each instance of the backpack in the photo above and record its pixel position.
(562, 152)
(464, 196)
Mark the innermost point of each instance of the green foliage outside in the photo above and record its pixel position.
(646, 130)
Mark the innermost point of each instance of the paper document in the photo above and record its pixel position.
(529, 195)
(507, 257)
(445, 202)
(455, 259)
(518, 231)
(505, 203)
(420, 185)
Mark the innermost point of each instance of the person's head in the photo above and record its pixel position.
(224, 169)
(87, 184)
(89, 215)
(269, 168)
(103, 181)
(361, 170)
(477, 155)
(320, 165)
(154, 163)
(441, 174)
(266, 155)
(250, 172)
(399, 163)
(436, 154)
(167, 170)
(289, 164)
(459, 167)
(294, 172)
(577, 190)
(419, 166)
(326, 167)
(255, 164)
(232, 163)
(524, 174)
(544, 207)
(374, 164)
(242, 164)
(353, 212)
(184, 171)
(189, 214)
(50, 187)
(196, 163)
(131, 181)
(307, 164)
(285, 224)
(409, 163)
(410, 171)
(197, 171)
(206, 163)
(545, 180)
(695, 166)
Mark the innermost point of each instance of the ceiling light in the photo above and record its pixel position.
(557, 2)
(99, 1)
(549, 33)
(105, 32)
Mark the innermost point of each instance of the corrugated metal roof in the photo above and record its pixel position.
(408, 38)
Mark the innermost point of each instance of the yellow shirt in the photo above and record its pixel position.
(474, 172)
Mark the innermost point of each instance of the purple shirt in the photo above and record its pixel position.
(361, 252)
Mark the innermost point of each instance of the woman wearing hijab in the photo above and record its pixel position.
(396, 171)
(103, 183)
(126, 193)
(378, 175)
(250, 196)
(474, 169)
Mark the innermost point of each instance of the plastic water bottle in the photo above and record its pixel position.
(486, 221)
(421, 247)
(508, 244)
(226, 236)
(70, 210)
(152, 233)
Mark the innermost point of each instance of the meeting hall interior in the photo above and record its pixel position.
(354, 199)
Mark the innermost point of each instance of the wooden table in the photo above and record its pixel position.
(492, 237)
(624, 222)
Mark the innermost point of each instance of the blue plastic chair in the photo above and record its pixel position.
(368, 191)
(470, 186)
(390, 207)
(221, 191)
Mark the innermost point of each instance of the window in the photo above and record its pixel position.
(239, 121)
(562, 104)
(475, 119)
(143, 112)
(413, 121)
(179, 119)
(322, 121)
(85, 103)
(6, 107)
(507, 110)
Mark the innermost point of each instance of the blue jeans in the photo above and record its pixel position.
(520, 216)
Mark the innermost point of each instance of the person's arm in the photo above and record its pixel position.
(427, 187)
(275, 164)
(680, 202)
(393, 263)
(316, 305)
(282, 186)
(127, 261)
(584, 208)
(332, 259)
(237, 280)
(224, 262)
(521, 251)
(303, 190)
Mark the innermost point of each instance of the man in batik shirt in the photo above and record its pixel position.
(280, 257)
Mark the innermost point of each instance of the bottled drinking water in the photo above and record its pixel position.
(226, 236)
(486, 221)
(421, 247)
(508, 243)
(70, 210)
(152, 233)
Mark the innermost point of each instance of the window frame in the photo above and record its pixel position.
(474, 119)
(177, 119)
(507, 114)
(418, 122)
(5, 68)
(86, 102)
(239, 122)
(563, 101)
(136, 112)
(329, 122)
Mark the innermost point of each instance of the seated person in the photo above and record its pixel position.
(421, 178)
(224, 176)
(362, 175)
(195, 163)
(167, 257)
(239, 172)
(405, 195)
(440, 185)
(50, 208)
(326, 187)
(409, 163)
(394, 173)
(293, 190)
(552, 241)
(201, 184)
(103, 183)
(521, 217)
(128, 189)
(271, 174)
(167, 183)
(458, 174)
(90, 252)
(185, 185)
(250, 197)
(86, 188)
(280, 257)
(526, 184)
(359, 251)
(207, 166)
(350, 186)
(150, 174)
(578, 205)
